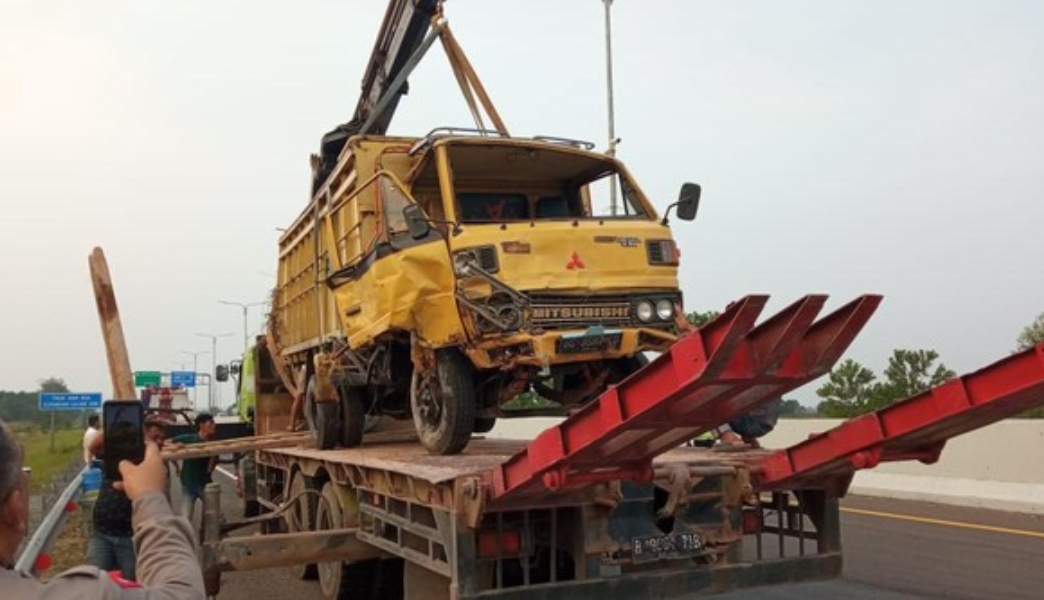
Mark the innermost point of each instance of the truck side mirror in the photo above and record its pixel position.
(688, 203)
(416, 221)
(221, 373)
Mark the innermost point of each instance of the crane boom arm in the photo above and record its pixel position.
(405, 24)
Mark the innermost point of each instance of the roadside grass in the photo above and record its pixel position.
(70, 548)
(68, 445)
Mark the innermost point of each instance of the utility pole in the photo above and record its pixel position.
(213, 365)
(613, 209)
(246, 307)
(195, 370)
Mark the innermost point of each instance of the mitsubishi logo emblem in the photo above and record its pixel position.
(575, 262)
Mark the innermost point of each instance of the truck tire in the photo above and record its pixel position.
(622, 368)
(301, 517)
(329, 516)
(484, 424)
(371, 579)
(323, 418)
(246, 473)
(444, 401)
(354, 421)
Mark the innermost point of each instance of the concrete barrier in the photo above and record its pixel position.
(995, 467)
(998, 467)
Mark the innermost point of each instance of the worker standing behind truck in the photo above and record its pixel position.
(196, 473)
(88, 438)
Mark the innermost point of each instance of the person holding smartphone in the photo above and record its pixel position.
(111, 544)
(166, 565)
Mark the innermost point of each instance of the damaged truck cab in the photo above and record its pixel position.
(442, 277)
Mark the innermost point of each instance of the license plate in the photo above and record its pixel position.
(585, 342)
(660, 547)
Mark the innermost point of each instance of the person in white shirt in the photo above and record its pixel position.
(88, 437)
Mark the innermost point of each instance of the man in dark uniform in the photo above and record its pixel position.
(167, 566)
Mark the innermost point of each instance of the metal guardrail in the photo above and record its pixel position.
(50, 528)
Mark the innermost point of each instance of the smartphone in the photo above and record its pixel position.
(123, 423)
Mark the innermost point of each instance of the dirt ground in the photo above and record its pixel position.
(70, 548)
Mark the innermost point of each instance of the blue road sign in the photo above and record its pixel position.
(56, 401)
(183, 378)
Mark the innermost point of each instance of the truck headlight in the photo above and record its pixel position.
(644, 311)
(665, 310)
(483, 257)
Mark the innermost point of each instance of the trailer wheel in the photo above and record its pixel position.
(324, 419)
(444, 402)
(329, 516)
(354, 420)
(300, 517)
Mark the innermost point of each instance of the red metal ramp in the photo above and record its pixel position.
(725, 368)
(913, 429)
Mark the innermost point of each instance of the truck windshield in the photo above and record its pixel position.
(495, 184)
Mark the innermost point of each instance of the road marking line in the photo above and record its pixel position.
(930, 521)
(226, 473)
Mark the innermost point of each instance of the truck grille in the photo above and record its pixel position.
(564, 312)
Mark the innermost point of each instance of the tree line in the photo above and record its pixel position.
(23, 407)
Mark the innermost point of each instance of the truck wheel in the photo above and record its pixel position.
(484, 424)
(329, 517)
(444, 402)
(246, 474)
(353, 417)
(622, 368)
(324, 419)
(300, 517)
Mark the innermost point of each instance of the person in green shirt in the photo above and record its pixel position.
(195, 472)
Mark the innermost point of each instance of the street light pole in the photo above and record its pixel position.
(245, 306)
(213, 365)
(195, 370)
(609, 97)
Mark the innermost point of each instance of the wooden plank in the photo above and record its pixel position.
(274, 440)
(112, 329)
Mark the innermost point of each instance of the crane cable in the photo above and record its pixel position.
(468, 80)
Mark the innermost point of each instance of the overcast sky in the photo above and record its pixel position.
(893, 147)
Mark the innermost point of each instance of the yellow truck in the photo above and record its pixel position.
(438, 278)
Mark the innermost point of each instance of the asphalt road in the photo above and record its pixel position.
(893, 550)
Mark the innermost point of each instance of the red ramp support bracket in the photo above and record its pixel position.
(723, 369)
(913, 429)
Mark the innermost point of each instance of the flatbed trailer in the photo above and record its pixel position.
(609, 502)
(416, 525)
